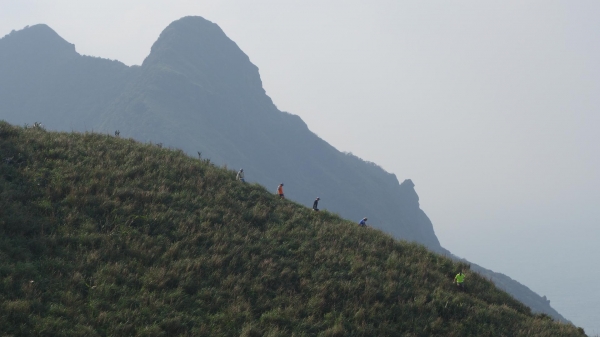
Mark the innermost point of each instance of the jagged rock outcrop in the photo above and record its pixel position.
(199, 92)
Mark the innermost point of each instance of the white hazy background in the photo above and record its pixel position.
(492, 108)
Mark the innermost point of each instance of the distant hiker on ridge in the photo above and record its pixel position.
(316, 204)
(280, 191)
(240, 175)
(459, 279)
(363, 222)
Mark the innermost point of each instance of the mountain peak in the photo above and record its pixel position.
(185, 32)
(38, 40)
(199, 50)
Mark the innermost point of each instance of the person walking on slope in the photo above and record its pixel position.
(280, 191)
(316, 204)
(459, 279)
(240, 175)
(363, 222)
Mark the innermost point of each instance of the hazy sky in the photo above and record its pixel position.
(491, 108)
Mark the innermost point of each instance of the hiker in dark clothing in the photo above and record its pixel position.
(363, 222)
(316, 204)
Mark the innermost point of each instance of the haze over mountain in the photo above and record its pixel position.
(199, 92)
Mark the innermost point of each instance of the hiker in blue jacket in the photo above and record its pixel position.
(363, 222)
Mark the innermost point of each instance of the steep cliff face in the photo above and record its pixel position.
(409, 201)
(199, 92)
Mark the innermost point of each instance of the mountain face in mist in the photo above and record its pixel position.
(199, 92)
(44, 78)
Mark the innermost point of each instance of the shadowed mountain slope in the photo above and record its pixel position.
(101, 236)
(199, 92)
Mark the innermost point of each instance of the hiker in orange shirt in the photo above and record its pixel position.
(280, 191)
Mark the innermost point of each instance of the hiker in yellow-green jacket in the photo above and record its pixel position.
(459, 279)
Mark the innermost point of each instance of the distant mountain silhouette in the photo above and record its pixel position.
(44, 78)
(199, 92)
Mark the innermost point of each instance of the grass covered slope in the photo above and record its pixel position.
(101, 236)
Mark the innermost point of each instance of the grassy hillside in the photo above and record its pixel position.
(101, 236)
